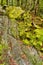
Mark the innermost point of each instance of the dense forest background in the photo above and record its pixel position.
(21, 32)
(26, 4)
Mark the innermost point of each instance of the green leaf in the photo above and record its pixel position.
(26, 42)
(39, 31)
(1, 47)
(14, 12)
(41, 49)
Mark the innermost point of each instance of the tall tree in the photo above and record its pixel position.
(36, 6)
(6, 2)
(1, 2)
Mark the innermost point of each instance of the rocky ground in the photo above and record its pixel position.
(17, 54)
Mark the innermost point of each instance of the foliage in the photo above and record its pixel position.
(41, 4)
(13, 12)
(2, 64)
(24, 24)
(3, 47)
(30, 34)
